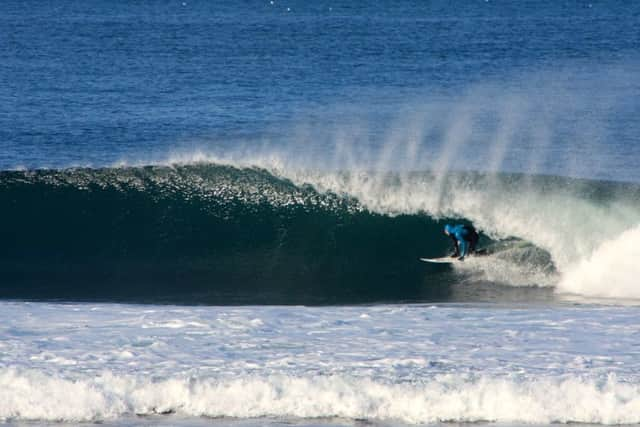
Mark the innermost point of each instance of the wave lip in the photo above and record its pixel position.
(32, 395)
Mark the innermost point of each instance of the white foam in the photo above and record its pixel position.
(612, 271)
(413, 364)
(29, 395)
(497, 269)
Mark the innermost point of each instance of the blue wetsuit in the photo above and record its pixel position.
(465, 238)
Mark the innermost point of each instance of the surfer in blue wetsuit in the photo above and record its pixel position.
(465, 238)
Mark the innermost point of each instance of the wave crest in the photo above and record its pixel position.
(32, 395)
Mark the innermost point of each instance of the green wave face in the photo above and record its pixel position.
(216, 234)
(207, 234)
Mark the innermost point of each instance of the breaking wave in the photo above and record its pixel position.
(210, 230)
(33, 395)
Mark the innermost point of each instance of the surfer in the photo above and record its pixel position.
(465, 238)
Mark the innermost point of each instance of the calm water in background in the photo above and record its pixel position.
(97, 82)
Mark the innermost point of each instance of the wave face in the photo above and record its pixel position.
(203, 234)
(212, 233)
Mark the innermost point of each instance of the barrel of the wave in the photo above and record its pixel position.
(202, 233)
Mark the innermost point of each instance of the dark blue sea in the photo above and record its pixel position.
(213, 212)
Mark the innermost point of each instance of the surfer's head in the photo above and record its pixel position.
(447, 229)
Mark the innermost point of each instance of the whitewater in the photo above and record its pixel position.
(403, 364)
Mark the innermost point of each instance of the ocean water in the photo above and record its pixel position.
(407, 364)
(212, 212)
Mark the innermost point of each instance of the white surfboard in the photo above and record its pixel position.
(443, 260)
(451, 260)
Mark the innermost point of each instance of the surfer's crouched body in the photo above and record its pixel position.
(465, 238)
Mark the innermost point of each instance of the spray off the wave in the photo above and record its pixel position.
(538, 125)
(309, 209)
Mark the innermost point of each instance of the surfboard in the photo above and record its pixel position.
(443, 260)
(451, 260)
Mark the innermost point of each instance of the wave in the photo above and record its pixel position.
(34, 395)
(567, 220)
(230, 231)
(203, 233)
